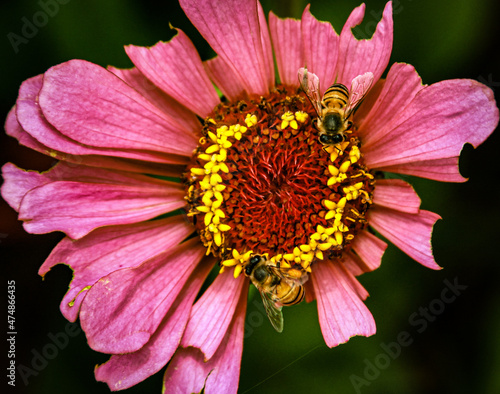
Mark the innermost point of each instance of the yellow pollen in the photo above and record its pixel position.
(324, 246)
(216, 204)
(334, 155)
(211, 167)
(197, 171)
(215, 179)
(205, 183)
(237, 271)
(205, 157)
(212, 136)
(212, 149)
(221, 130)
(288, 119)
(207, 198)
(339, 237)
(354, 154)
(301, 116)
(251, 120)
(224, 227)
(219, 188)
(333, 170)
(218, 239)
(237, 131)
(238, 261)
(208, 218)
(344, 166)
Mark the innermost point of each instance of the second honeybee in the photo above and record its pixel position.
(277, 287)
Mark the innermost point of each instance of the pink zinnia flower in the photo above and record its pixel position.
(255, 182)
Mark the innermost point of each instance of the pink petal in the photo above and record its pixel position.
(125, 370)
(353, 263)
(35, 132)
(342, 314)
(321, 46)
(237, 32)
(390, 97)
(310, 295)
(436, 124)
(212, 314)
(91, 105)
(287, 42)
(409, 232)
(124, 164)
(186, 373)
(267, 48)
(79, 199)
(226, 362)
(17, 182)
(14, 129)
(123, 309)
(359, 56)
(396, 194)
(350, 258)
(444, 170)
(164, 102)
(396, 93)
(108, 249)
(176, 68)
(224, 78)
(370, 249)
(189, 373)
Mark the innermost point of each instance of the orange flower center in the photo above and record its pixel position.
(261, 182)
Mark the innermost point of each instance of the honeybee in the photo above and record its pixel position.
(336, 106)
(192, 197)
(277, 287)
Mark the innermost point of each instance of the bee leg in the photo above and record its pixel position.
(315, 123)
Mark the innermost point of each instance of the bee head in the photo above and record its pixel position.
(254, 260)
(328, 139)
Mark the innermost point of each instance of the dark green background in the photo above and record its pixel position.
(457, 352)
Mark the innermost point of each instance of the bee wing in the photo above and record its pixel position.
(303, 279)
(309, 82)
(273, 312)
(359, 87)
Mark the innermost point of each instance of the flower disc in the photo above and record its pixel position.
(260, 182)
